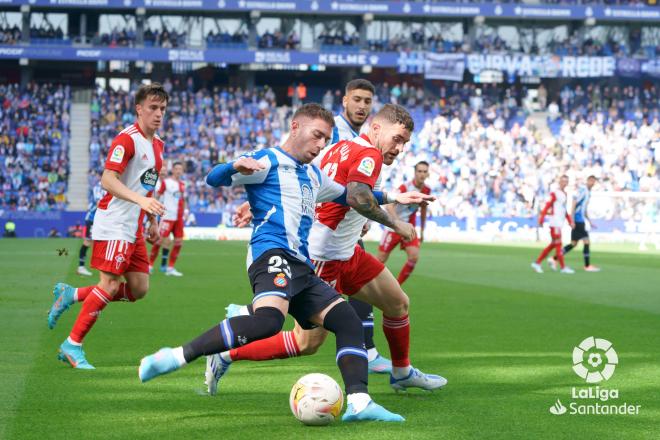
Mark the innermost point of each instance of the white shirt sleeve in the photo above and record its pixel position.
(256, 177)
(329, 189)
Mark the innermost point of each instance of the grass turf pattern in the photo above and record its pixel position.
(501, 334)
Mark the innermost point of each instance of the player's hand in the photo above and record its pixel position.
(365, 229)
(405, 230)
(243, 216)
(572, 224)
(593, 225)
(151, 206)
(152, 232)
(540, 223)
(411, 197)
(248, 165)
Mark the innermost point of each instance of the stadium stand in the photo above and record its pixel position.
(34, 146)
(487, 156)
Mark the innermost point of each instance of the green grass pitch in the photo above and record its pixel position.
(501, 334)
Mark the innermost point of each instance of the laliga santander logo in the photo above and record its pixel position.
(594, 359)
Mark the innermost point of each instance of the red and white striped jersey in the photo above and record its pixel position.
(138, 163)
(172, 192)
(337, 228)
(408, 213)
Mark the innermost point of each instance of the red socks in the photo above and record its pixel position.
(281, 346)
(174, 254)
(545, 252)
(397, 332)
(154, 254)
(82, 292)
(406, 271)
(560, 255)
(94, 303)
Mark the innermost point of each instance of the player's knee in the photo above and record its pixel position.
(397, 306)
(342, 318)
(412, 259)
(140, 292)
(270, 321)
(110, 286)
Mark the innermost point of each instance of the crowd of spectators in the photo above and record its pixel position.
(489, 159)
(125, 37)
(224, 39)
(338, 38)
(164, 38)
(488, 156)
(10, 34)
(48, 32)
(34, 146)
(278, 40)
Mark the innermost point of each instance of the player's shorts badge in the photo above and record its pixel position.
(280, 280)
(119, 259)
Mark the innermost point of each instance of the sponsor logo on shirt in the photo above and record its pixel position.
(307, 201)
(117, 154)
(367, 166)
(149, 179)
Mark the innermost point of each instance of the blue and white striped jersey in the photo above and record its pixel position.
(581, 202)
(342, 130)
(283, 197)
(97, 194)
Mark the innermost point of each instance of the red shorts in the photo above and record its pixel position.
(120, 256)
(555, 233)
(349, 276)
(391, 239)
(167, 227)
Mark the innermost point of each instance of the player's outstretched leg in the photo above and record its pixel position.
(63, 299)
(281, 346)
(385, 293)
(352, 362)
(265, 322)
(536, 265)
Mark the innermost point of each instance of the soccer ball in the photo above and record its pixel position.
(316, 399)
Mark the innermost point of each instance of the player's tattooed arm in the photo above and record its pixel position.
(361, 198)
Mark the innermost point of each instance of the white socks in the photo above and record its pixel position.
(72, 342)
(358, 400)
(400, 372)
(178, 355)
(372, 354)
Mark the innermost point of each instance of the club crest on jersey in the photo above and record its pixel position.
(149, 179)
(280, 280)
(367, 166)
(117, 154)
(119, 259)
(307, 201)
